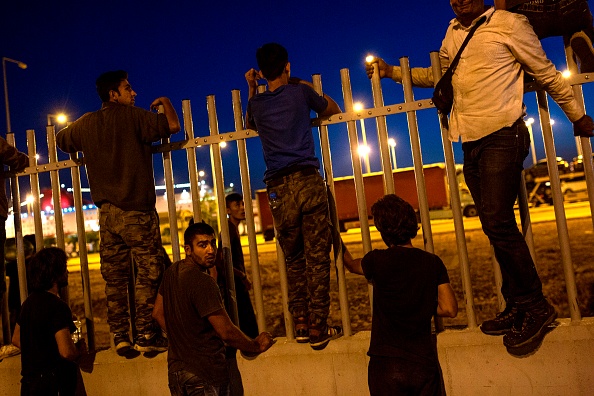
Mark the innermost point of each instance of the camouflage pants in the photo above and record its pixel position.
(127, 236)
(299, 206)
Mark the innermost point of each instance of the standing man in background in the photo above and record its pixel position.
(116, 142)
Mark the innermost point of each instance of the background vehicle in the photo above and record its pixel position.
(438, 195)
(540, 169)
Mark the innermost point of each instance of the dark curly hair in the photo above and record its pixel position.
(395, 219)
(45, 268)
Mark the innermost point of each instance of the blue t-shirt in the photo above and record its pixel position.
(282, 119)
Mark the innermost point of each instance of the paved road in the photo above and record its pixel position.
(540, 214)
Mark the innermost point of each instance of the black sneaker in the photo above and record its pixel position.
(531, 326)
(502, 323)
(301, 330)
(122, 343)
(582, 47)
(318, 339)
(150, 343)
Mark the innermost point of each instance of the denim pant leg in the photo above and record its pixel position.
(184, 383)
(317, 236)
(492, 169)
(287, 221)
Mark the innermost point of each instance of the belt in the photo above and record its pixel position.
(277, 181)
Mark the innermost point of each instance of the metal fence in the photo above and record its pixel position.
(378, 112)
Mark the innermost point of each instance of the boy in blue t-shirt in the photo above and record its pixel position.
(410, 286)
(296, 191)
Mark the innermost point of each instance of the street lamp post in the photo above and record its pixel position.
(365, 151)
(60, 118)
(22, 66)
(392, 144)
(529, 123)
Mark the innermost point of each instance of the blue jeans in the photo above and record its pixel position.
(493, 173)
(184, 383)
(391, 376)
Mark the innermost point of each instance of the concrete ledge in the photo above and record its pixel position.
(472, 363)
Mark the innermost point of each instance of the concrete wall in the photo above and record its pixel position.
(472, 363)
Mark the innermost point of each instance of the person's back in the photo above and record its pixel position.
(409, 287)
(116, 143)
(296, 191)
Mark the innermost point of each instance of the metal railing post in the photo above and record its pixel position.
(34, 180)
(249, 211)
(327, 164)
(219, 187)
(455, 204)
(551, 155)
(55, 182)
(192, 163)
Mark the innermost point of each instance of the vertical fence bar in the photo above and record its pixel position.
(347, 95)
(415, 143)
(456, 206)
(34, 197)
(382, 131)
(82, 248)
(249, 211)
(284, 285)
(18, 229)
(192, 163)
(170, 191)
(545, 125)
(327, 163)
(55, 182)
(583, 144)
(219, 187)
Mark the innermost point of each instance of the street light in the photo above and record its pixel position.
(392, 144)
(529, 123)
(60, 118)
(22, 66)
(363, 149)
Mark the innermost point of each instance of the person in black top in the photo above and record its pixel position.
(43, 330)
(410, 286)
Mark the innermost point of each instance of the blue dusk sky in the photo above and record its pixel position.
(191, 49)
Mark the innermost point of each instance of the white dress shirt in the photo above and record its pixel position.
(489, 79)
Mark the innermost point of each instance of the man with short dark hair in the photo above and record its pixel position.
(189, 306)
(295, 188)
(487, 114)
(117, 146)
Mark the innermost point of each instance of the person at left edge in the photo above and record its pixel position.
(116, 142)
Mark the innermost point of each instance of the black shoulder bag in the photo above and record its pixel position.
(443, 95)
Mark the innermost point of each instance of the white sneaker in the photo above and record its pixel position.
(8, 351)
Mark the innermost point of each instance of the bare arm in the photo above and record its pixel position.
(447, 305)
(16, 336)
(234, 337)
(66, 346)
(251, 76)
(159, 311)
(170, 113)
(352, 264)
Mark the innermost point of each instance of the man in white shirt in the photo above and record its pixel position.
(487, 116)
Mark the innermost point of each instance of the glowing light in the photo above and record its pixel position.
(363, 150)
(201, 173)
(529, 121)
(369, 58)
(358, 106)
(223, 144)
(566, 74)
(61, 118)
(231, 185)
(392, 142)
